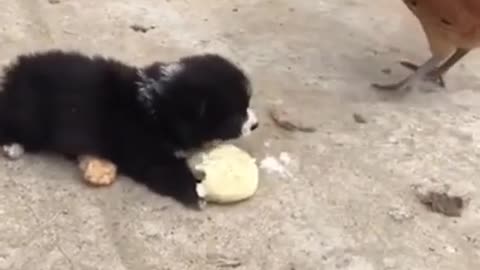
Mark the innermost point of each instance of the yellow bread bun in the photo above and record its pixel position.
(231, 174)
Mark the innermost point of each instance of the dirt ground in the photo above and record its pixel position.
(338, 198)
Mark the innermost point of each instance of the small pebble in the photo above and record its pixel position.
(222, 261)
(386, 71)
(359, 118)
(450, 206)
(288, 120)
(141, 28)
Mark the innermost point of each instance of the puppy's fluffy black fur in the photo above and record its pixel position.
(139, 118)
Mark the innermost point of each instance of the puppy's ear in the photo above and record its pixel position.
(153, 78)
(168, 71)
(149, 89)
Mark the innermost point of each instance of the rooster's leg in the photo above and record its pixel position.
(411, 81)
(436, 76)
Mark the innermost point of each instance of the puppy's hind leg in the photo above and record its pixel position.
(97, 171)
(9, 147)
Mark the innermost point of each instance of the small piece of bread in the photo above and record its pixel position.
(97, 171)
(231, 174)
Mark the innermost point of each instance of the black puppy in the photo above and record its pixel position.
(141, 119)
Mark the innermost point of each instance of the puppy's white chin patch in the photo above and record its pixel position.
(250, 123)
(201, 191)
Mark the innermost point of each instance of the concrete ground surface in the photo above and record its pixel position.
(338, 198)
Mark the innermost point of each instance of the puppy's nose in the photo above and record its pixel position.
(254, 126)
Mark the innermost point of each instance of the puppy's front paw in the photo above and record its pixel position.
(200, 188)
(194, 197)
(201, 193)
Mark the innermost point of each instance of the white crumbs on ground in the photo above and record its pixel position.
(272, 165)
(285, 158)
(278, 166)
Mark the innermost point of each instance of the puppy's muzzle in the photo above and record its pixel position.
(250, 124)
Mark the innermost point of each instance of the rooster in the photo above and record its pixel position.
(452, 28)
